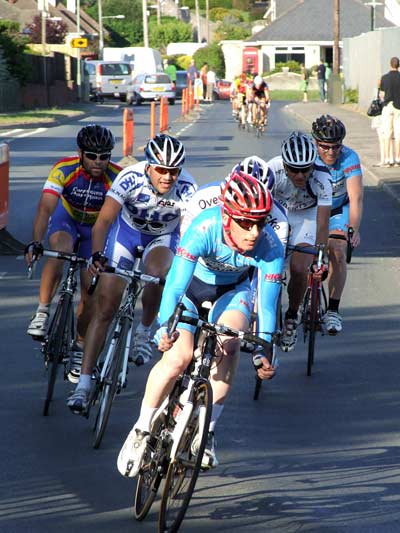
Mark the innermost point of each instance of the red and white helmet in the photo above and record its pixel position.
(243, 196)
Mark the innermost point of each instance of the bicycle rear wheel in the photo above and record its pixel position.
(184, 469)
(313, 324)
(152, 471)
(58, 344)
(110, 384)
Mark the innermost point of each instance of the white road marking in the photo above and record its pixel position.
(33, 132)
(10, 132)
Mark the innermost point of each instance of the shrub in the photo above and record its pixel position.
(351, 96)
(212, 55)
(14, 50)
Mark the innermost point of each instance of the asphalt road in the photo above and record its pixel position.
(317, 453)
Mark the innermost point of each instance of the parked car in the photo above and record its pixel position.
(181, 82)
(147, 87)
(108, 79)
(222, 90)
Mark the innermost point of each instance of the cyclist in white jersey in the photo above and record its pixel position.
(210, 195)
(304, 189)
(143, 207)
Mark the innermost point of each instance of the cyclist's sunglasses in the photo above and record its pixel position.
(327, 147)
(248, 224)
(296, 170)
(93, 156)
(174, 171)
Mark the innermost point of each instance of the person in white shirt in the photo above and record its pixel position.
(211, 79)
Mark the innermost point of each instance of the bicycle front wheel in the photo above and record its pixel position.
(313, 324)
(58, 344)
(184, 469)
(109, 387)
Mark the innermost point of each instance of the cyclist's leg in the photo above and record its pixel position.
(61, 236)
(337, 267)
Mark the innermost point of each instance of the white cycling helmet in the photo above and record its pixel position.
(258, 80)
(298, 150)
(165, 151)
(258, 168)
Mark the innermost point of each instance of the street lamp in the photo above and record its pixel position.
(373, 5)
(101, 32)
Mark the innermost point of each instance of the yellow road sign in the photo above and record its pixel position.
(80, 42)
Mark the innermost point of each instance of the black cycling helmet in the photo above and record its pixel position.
(165, 151)
(95, 138)
(298, 150)
(328, 129)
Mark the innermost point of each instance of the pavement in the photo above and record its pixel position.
(360, 137)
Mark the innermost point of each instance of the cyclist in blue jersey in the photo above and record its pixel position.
(212, 264)
(69, 205)
(344, 166)
(143, 207)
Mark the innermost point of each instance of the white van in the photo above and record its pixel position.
(108, 79)
(141, 58)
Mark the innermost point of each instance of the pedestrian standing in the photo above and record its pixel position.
(390, 93)
(321, 71)
(305, 76)
(211, 79)
(191, 73)
(203, 77)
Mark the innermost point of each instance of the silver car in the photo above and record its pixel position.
(146, 87)
(108, 79)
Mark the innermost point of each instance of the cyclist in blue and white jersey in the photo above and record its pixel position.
(212, 263)
(143, 207)
(210, 195)
(344, 167)
(304, 189)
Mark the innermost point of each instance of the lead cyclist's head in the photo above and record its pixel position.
(298, 156)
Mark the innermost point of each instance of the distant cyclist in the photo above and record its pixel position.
(212, 263)
(143, 207)
(259, 95)
(344, 166)
(68, 208)
(304, 189)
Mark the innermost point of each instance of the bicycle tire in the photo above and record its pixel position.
(313, 324)
(110, 384)
(151, 471)
(57, 344)
(185, 466)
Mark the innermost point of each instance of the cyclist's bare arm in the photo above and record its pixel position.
(355, 192)
(107, 215)
(47, 204)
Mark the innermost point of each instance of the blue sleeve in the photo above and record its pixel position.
(270, 281)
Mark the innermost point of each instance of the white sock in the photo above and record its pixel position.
(217, 409)
(145, 418)
(143, 329)
(84, 381)
(43, 308)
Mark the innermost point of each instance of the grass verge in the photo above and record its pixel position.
(38, 116)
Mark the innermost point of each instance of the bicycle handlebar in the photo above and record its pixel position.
(64, 256)
(218, 329)
(128, 274)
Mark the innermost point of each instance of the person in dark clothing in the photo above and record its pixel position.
(390, 93)
(321, 71)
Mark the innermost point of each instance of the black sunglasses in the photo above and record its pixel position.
(296, 170)
(248, 224)
(327, 147)
(93, 156)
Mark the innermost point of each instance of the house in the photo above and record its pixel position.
(303, 30)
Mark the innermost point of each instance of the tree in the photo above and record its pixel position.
(169, 31)
(56, 30)
(13, 46)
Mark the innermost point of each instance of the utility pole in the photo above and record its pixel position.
(145, 24)
(78, 65)
(101, 31)
(335, 82)
(198, 20)
(373, 5)
(208, 22)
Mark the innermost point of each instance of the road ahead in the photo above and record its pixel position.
(313, 454)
